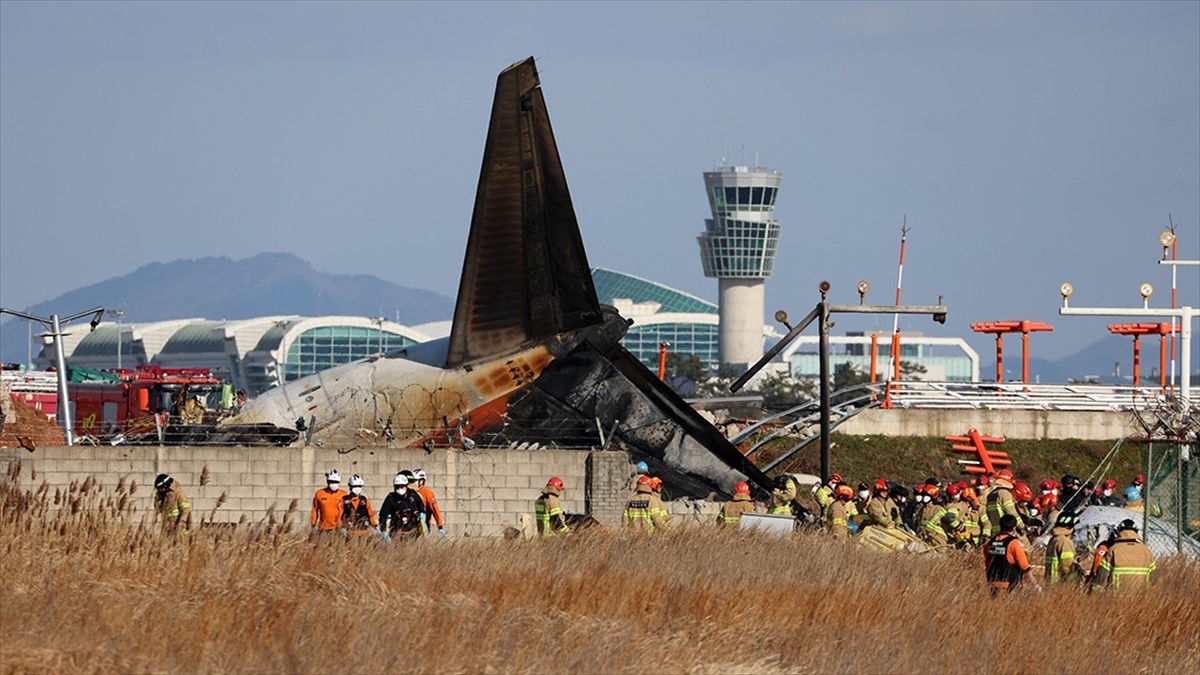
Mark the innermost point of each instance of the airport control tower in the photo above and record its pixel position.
(738, 248)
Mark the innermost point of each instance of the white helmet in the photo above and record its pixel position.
(399, 480)
(420, 474)
(333, 476)
(356, 481)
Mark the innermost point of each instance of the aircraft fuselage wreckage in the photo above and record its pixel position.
(531, 354)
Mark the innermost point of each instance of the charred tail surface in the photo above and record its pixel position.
(525, 275)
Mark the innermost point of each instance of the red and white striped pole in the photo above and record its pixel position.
(894, 356)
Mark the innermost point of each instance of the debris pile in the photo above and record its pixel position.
(23, 427)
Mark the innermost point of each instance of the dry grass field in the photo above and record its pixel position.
(89, 586)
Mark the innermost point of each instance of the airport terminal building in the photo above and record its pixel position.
(261, 353)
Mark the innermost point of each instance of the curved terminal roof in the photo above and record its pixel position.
(612, 285)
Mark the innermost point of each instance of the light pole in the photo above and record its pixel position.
(119, 314)
(822, 312)
(55, 324)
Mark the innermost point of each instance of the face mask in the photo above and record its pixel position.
(356, 490)
(333, 487)
(401, 489)
(1108, 493)
(863, 494)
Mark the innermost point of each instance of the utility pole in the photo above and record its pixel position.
(822, 311)
(55, 324)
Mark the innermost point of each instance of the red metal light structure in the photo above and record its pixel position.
(988, 460)
(1137, 330)
(999, 328)
(662, 360)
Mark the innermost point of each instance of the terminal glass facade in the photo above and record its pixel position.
(328, 346)
(697, 339)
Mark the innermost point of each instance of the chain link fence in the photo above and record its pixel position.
(1171, 521)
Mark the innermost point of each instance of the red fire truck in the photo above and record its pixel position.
(142, 401)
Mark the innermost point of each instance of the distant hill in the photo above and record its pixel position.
(220, 288)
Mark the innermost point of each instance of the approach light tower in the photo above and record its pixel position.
(738, 248)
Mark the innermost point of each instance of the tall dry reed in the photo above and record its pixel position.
(89, 585)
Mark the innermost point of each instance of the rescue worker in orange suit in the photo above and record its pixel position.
(403, 511)
(328, 503)
(358, 517)
(658, 508)
(732, 510)
(172, 505)
(548, 509)
(1129, 563)
(839, 512)
(637, 515)
(782, 494)
(881, 510)
(1004, 558)
(433, 513)
(1061, 563)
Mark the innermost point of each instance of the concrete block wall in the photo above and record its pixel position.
(480, 492)
(1033, 424)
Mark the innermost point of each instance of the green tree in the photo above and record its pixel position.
(685, 372)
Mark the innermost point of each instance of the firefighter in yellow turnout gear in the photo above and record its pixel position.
(639, 508)
(172, 505)
(1129, 563)
(732, 510)
(782, 495)
(548, 510)
(1061, 564)
(839, 512)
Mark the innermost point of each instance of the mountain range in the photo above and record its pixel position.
(268, 284)
(271, 284)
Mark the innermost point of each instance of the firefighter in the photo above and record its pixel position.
(172, 505)
(642, 469)
(1048, 505)
(637, 514)
(1000, 503)
(782, 494)
(1072, 497)
(984, 487)
(824, 494)
(1108, 494)
(432, 512)
(1061, 563)
(1027, 512)
(974, 521)
(548, 509)
(957, 509)
(935, 518)
(732, 510)
(1098, 556)
(1129, 563)
(658, 509)
(1133, 498)
(839, 512)
(862, 501)
(358, 517)
(881, 510)
(403, 511)
(327, 504)
(1004, 558)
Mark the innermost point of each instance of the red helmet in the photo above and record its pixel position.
(931, 490)
(1007, 475)
(1110, 484)
(742, 488)
(643, 480)
(1047, 485)
(983, 481)
(655, 483)
(881, 485)
(555, 482)
(1140, 480)
(844, 490)
(835, 478)
(969, 494)
(953, 490)
(963, 485)
(1022, 492)
(1048, 501)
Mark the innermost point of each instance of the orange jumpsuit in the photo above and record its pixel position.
(431, 505)
(327, 509)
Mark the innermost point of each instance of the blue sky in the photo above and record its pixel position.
(1027, 143)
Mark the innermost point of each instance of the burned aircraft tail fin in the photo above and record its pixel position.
(525, 275)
